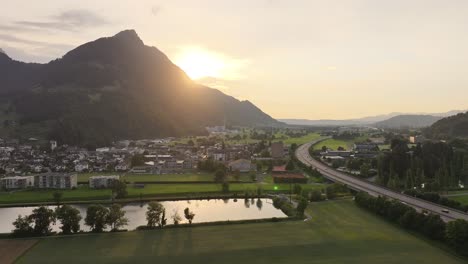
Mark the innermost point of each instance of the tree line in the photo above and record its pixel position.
(98, 218)
(434, 165)
(454, 233)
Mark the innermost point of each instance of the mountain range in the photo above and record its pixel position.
(392, 120)
(112, 88)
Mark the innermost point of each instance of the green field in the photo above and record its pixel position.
(462, 196)
(83, 193)
(186, 177)
(339, 232)
(300, 140)
(334, 144)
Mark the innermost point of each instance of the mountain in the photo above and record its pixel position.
(453, 126)
(408, 121)
(113, 88)
(368, 120)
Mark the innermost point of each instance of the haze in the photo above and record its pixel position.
(294, 59)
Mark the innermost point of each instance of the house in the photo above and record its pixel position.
(101, 182)
(336, 153)
(365, 147)
(277, 150)
(279, 169)
(81, 166)
(289, 178)
(121, 167)
(219, 156)
(416, 139)
(54, 180)
(145, 170)
(241, 165)
(17, 182)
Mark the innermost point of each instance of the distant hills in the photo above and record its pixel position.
(408, 121)
(112, 88)
(395, 120)
(453, 126)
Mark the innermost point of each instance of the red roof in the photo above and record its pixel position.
(279, 168)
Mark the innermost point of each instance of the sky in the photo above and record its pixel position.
(328, 59)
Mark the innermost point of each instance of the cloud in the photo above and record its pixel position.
(13, 39)
(70, 20)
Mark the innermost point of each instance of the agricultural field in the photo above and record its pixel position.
(339, 232)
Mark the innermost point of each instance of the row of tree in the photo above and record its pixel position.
(98, 218)
(454, 234)
(438, 165)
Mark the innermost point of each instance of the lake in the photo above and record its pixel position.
(205, 211)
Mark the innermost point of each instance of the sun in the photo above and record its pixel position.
(199, 63)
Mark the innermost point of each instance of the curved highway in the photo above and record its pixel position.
(447, 214)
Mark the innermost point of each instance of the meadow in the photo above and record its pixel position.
(339, 232)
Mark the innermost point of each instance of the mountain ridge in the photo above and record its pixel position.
(113, 88)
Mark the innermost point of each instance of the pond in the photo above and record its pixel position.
(205, 211)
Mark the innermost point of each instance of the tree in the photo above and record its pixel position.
(23, 226)
(315, 196)
(290, 165)
(189, 215)
(259, 204)
(236, 174)
(259, 166)
(96, 217)
(137, 160)
(116, 217)
(70, 219)
(220, 176)
(301, 206)
(297, 189)
(57, 196)
(225, 187)
(163, 219)
(42, 217)
(119, 188)
(153, 214)
(364, 170)
(324, 148)
(456, 234)
(330, 191)
(253, 175)
(176, 217)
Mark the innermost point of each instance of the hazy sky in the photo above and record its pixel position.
(293, 59)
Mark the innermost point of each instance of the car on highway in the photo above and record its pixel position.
(445, 211)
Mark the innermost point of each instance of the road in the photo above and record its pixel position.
(302, 154)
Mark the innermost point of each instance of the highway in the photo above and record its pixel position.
(302, 154)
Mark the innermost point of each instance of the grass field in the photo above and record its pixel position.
(339, 232)
(279, 137)
(334, 144)
(462, 197)
(300, 140)
(186, 177)
(12, 249)
(150, 190)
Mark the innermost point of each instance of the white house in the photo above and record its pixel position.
(82, 166)
(96, 182)
(56, 180)
(17, 182)
(241, 165)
